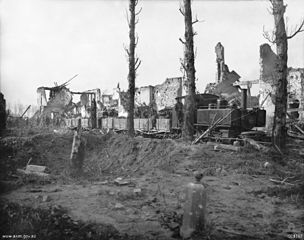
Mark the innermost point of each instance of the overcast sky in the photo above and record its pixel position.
(47, 41)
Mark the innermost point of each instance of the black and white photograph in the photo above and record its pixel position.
(152, 119)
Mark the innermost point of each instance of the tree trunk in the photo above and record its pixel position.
(279, 129)
(189, 106)
(93, 114)
(132, 71)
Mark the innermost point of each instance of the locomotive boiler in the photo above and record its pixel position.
(210, 108)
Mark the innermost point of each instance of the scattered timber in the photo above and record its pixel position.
(295, 135)
(25, 111)
(300, 130)
(225, 146)
(256, 145)
(33, 170)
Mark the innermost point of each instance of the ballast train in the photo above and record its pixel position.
(209, 109)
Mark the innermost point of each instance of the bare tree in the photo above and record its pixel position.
(134, 63)
(188, 65)
(280, 38)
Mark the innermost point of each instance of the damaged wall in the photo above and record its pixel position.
(144, 95)
(58, 103)
(295, 83)
(165, 94)
(267, 80)
(224, 78)
(41, 97)
(295, 86)
(160, 96)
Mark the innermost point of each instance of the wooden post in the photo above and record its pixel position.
(78, 152)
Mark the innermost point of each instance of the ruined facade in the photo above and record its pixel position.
(220, 62)
(59, 106)
(160, 96)
(58, 101)
(165, 94)
(295, 85)
(225, 79)
(144, 95)
(267, 80)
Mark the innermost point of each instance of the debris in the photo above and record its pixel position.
(256, 145)
(218, 146)
(267, 165)
(276, 200)
(35, 190)
(119, 181)
(300, 130)
(281, 182)
(102, 182)
(111, 193)
(119, 206)
(262, 195)
(137, 190)
(35, 168)
(173, 225)
(38, 174)
(224, 172)
(46, 198)
(295, 135)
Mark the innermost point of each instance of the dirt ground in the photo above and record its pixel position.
(146, 202)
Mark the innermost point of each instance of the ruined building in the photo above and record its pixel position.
(225, 79)
(160, 96)
(295, 85)
(165, 93)
(295, 88)
(59, 106)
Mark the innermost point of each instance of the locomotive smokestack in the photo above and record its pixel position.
(244, 99)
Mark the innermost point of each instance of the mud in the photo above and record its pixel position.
(242, 201)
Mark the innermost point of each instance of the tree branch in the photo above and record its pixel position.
(183, 65)
(196, 20)
(127, 50)
(298, 30)
(138, 12)
(181, 11)
(136, 60)
(136, 40)
(181, 40)
(127, 16)
(138, 64)
(269, 38)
